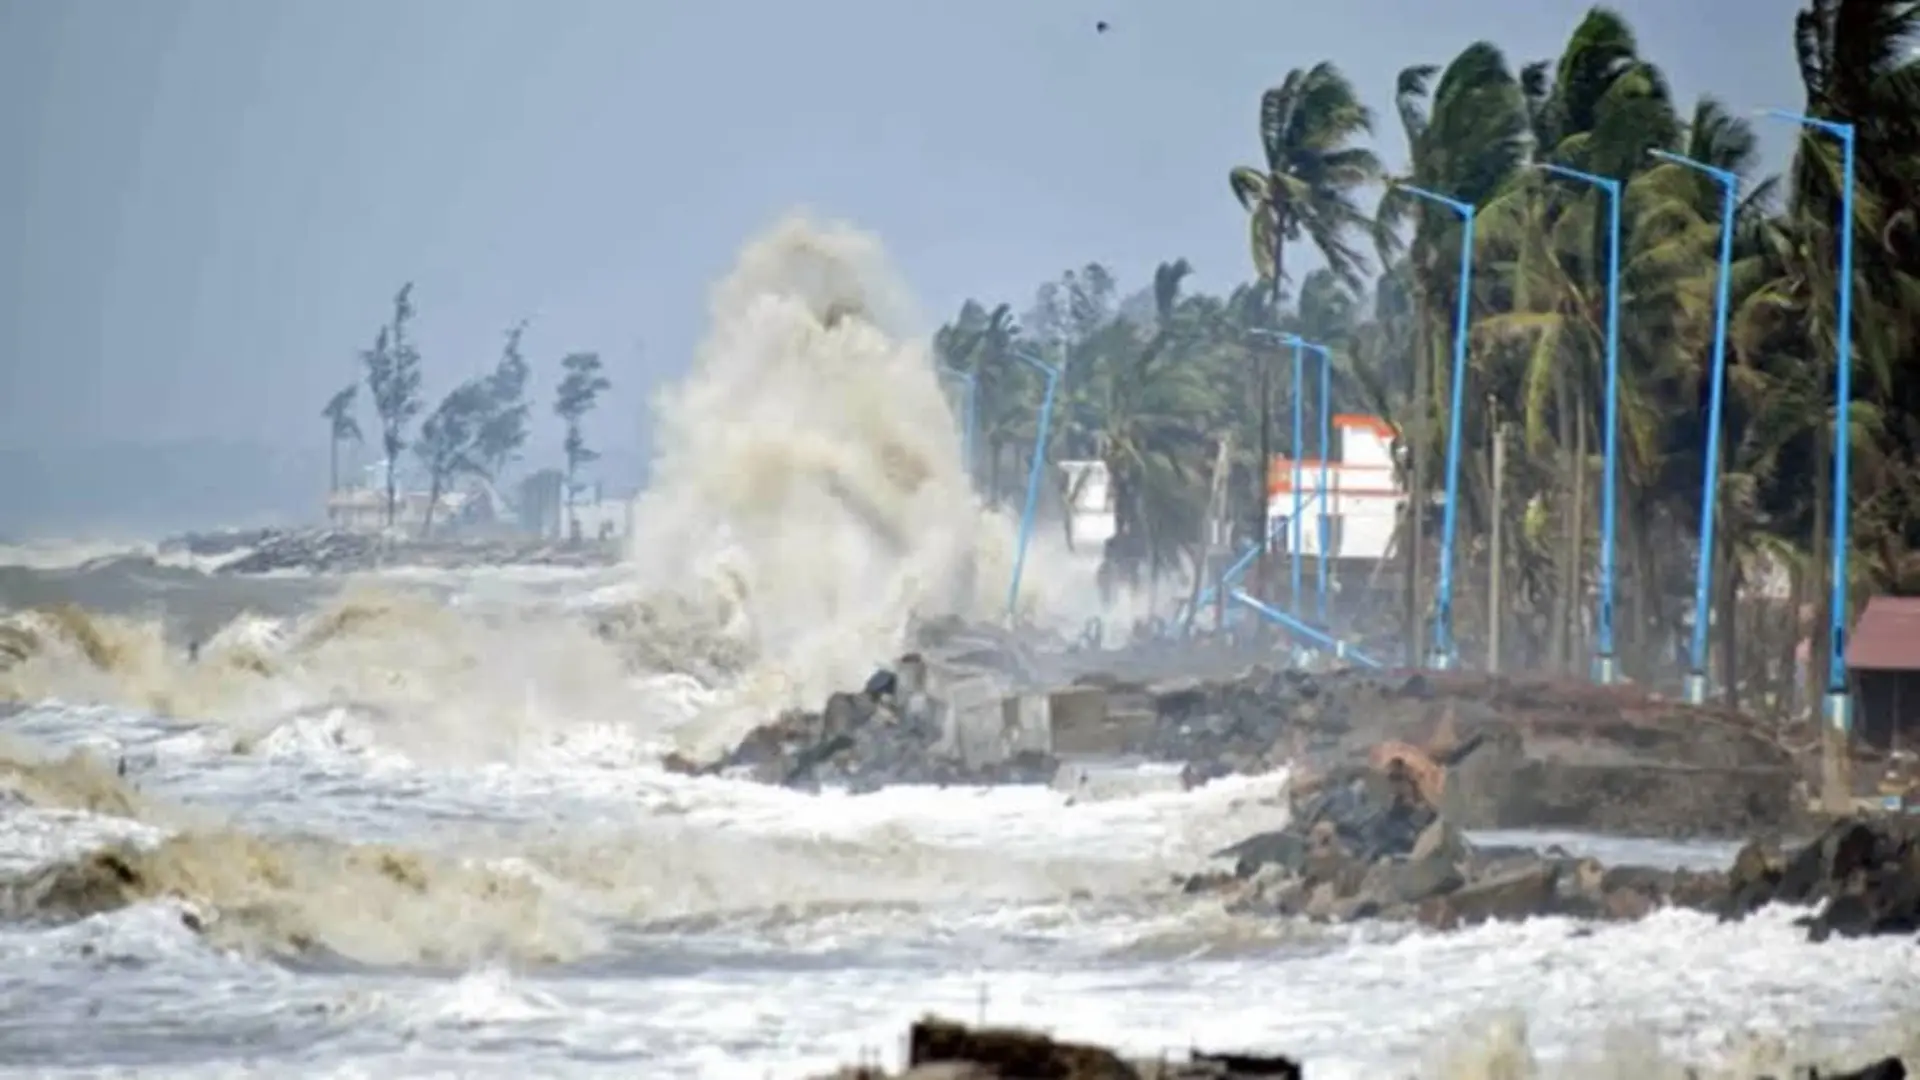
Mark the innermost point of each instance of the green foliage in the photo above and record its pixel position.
(581, 385)
(393, 377)
(342, 427)
(450, 439)
(1157, 380)
(503, 429)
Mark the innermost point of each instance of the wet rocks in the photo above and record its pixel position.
(1373, 843)
(1509, 753)
(314, 552)
(944, 1050)
(889, 732)
(333, 551)
(1862, 876)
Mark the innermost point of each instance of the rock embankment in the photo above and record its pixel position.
(944, 1050)
(1518, 754)
(1375, 842)
(889, 732)
(332, 551)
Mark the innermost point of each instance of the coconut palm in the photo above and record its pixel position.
(1307, 188)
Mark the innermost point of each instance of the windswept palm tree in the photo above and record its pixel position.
(341, 428)
(1308, 188)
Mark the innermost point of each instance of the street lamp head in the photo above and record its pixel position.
(1839, 129)
(1464, 209)
(1726, 177)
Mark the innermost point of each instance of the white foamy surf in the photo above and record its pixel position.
(408, 835)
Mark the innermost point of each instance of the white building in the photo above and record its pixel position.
(1089, 499)
(1363, 499)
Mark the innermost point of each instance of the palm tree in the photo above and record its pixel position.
(1466, 144)
(1154, 406)
(341, 428)
(1307, 188)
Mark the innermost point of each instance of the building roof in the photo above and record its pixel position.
(1887, 636)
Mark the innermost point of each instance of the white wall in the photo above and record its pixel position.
(1363, 495)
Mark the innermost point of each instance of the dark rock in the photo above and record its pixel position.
(1862, 875)
(1885, 1069)
(1012, 1052)
(1512, 896)
(881, 684)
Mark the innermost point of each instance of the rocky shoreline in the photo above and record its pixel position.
(1387, 775)
(332, 551)
(1518, 754)
(939, 1049)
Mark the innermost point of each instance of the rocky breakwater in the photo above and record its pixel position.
(332, 551)
(1375, 842)
(891, 731)
(945, 1050)
(1524, 753)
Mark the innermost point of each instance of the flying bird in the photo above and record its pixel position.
(1100, 27)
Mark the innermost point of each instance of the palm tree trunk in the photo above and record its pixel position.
(392, 495)
(1728, 623)
(433, 502)
(1819, 577)
(1570, 570)
(1559, 616)
(1416, 523)
(1263, 564)
(333, 464)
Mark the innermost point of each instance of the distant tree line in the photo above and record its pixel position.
(476, 431)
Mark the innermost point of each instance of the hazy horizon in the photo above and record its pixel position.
(217, 199)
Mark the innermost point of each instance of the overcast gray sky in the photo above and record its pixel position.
(205, 204)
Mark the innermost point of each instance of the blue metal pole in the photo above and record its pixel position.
(1227, 577)
(1441, 652)
(1717, 381)
(1326, 489)
(1837, 706)
(1299, 497)
(1045, 421)
(1309, 634)
(1605, 666)
(1843, 448)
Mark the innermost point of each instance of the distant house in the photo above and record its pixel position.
(1883, 662)
(362, 507)
(1363, 500)
(365, 509)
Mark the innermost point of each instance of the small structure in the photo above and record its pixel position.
(1363, 502)
(1883, 660)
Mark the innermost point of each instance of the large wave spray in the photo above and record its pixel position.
(809, 488)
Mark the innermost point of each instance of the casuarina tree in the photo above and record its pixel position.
(393, 375)
(341, 428)
(580, 386)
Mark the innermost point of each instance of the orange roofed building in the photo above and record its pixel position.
(1363, 500)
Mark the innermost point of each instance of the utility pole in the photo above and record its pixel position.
(1495, 554)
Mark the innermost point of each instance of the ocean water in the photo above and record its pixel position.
(414, 824)
(578, 913)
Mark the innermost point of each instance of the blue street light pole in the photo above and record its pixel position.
(1325, 491)
(1299, 497)
(1838, 713)
(969, 412)
(1604, 662)
(1717, 382)
(1440, 649)
(1045, 421)
(1299, 346)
